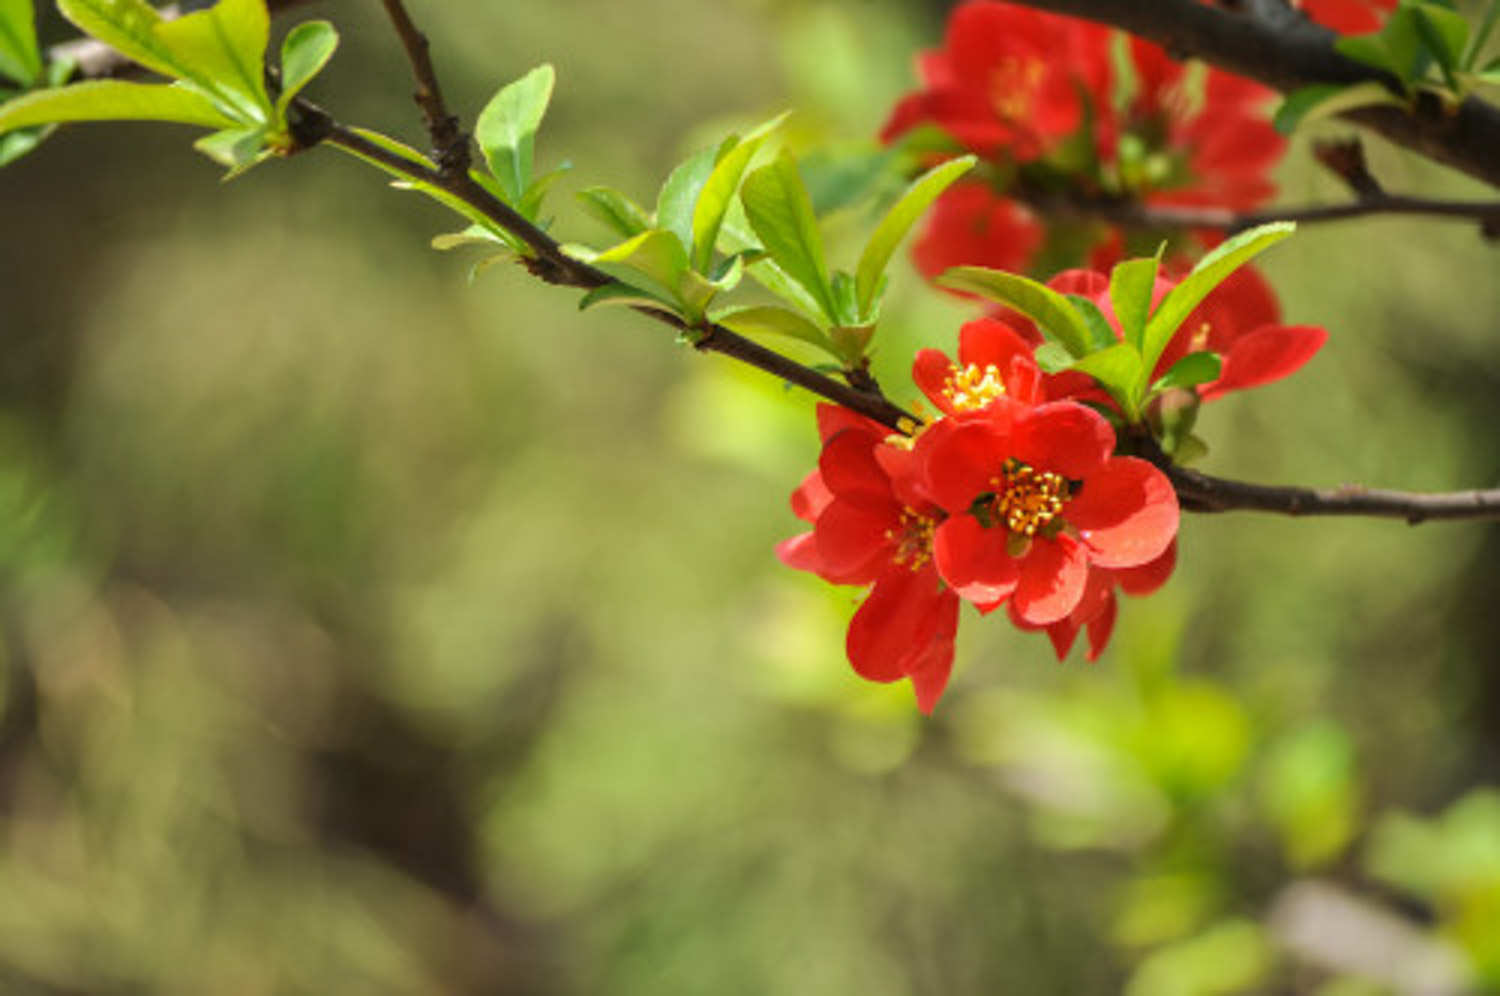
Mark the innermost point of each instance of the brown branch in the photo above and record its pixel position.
(551, 264)
(1271, 43)
(1136, 214)
(1199, 492)
(450, 146)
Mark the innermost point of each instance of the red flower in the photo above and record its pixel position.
(1223, 151)
(1009, 81)
(1098, 607)
(872, 523)
(1240, 320)
(994, 362)
(970, 226)
(1034, 498)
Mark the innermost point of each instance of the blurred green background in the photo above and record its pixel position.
(368, 632)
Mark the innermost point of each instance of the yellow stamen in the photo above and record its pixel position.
(1026, 499)
(970, 388)
(913, 539)
(1199, 340)
(1013, 85)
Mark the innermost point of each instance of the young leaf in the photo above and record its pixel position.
(474, 235)
(1116, 368)
(219, 50)
(20, 58)
(1192, 369)
(1052, 312)
(1101, 333)
(1211, 270)
(1052, 358)
(1323, 100)
(1444, 34)
(897, 222)
(531, 204)
(678, 197)
(506, 130)
(619, 212)
(758, 320)
(226, 44)
(625, 295)
(237, 148)
(777, 205)
(1131, 286)
(718, 191)
(1482, 36)
(112, 100)
(304, 53)
(655, 254)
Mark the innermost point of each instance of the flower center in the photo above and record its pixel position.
(1026, 499)
(1199, 340)
(913, 539)
(972, 387)
(1012, 86)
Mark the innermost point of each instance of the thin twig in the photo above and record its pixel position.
(1199, 492)
(1136, 214)
(450, 146)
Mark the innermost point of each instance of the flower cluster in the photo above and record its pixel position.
(1036, 97)
(1005, 499)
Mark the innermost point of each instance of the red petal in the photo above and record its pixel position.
(834, 419)
(1063, 437)
(855, 539)
(1150, 576)
(959, 461)
(974, 560)
(989, 341)
(850, 470)
(1053, 576)
(930, 371)
(800, 553)
(1265, 355)
(811, 497)
(1126, 513)
(1100, 628)
(1062, 634)
(929, 677)
(905, 612)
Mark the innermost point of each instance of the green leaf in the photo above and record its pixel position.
(1444, 34)
(1101, 333)
(619, 212)
(655, 254)
(897, 222)
(779, 209)
(15, 144)
(471, 236)
(112, 100)
(1052, 358)
(678, 197)
(1323, 100)
(1211, 270)
(304, 53)
(759, 320)
(1482, 36)
(531, 204)
(1192, 369)
(237, 148)
(507, 127)
(1052, 312)
(220, 50)
(624, 295)
(1131, 286)
(719, 189)
(1116, 368)
(20, 58)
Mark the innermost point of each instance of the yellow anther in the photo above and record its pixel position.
(1027, 500)
(970, 388)
(913, 539)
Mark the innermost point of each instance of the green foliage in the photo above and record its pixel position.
(781, 213)
(506, 132)
(1053, 313)
(20, 57)
(917, 198)
(1132, 284)
(619, 212)
(1191, 370)
(1324, 100)
(216, 58)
